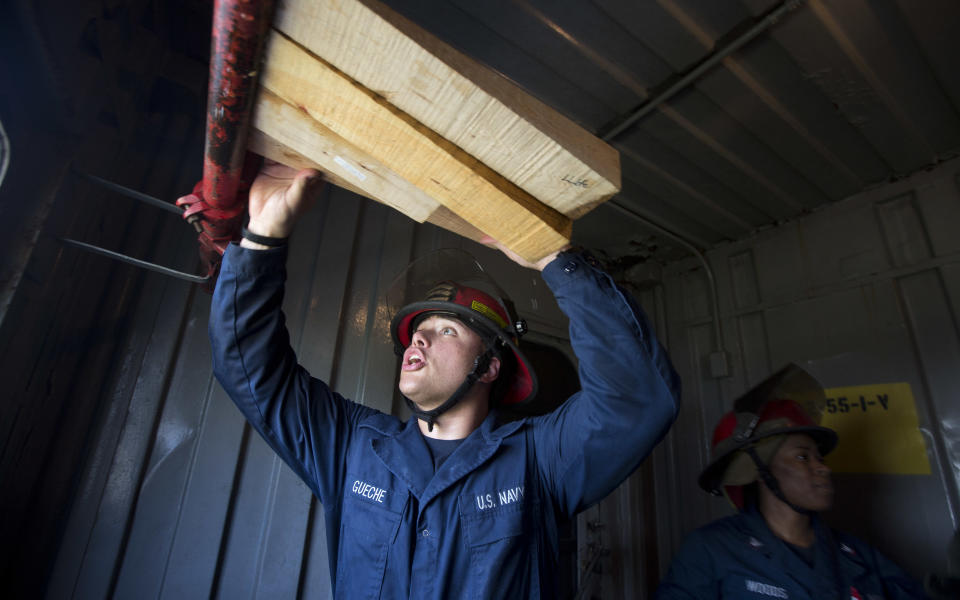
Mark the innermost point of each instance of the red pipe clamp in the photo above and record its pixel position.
(219, 200)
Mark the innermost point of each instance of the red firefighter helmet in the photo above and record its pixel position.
(448, 282)
(486, 316)
(789, 401)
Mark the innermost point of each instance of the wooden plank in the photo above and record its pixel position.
(260, 143)
(477, 109)
(289, 136)
(264, 145)
(468, 188)
(345, 164)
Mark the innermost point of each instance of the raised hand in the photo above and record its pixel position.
(539, 265)
(278, 196)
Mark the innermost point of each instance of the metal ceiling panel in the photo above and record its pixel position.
(714, 19)
(634, 196)
(653, 27)
(683, 197)
(794, 116)
(718, 159)
(935, 31)
(566, 55)
(876, 38)
(687, 177)
(462, 31)
(829, 56)
(746, 152)
(783, 133)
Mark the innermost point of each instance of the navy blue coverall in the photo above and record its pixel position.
(739, 558)
(484, 524)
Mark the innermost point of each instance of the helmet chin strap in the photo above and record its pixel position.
(771, 482)
(480, 366)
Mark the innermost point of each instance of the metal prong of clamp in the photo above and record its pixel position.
(136, 261)
(141, 197)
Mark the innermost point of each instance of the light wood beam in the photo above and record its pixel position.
(464, 185)
(295, 134)
(475, 108)
(263, 144)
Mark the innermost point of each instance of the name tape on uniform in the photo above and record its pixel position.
(366, 490)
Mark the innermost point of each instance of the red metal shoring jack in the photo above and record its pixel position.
(218, 202)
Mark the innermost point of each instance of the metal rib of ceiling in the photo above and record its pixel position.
(834, 98)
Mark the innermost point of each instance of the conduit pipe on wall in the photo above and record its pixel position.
(719, 365)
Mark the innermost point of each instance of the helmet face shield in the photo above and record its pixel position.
(452, 283)
(789, 383)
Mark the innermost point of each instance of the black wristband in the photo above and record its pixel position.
(273, 242)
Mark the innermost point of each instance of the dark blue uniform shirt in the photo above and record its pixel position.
(484, 524)
(739, 558)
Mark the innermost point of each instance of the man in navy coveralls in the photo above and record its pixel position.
(452, 503)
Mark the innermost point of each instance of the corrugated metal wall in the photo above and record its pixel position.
(72, 348)
(863, 292)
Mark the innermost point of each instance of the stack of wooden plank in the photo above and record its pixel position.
(391, 112)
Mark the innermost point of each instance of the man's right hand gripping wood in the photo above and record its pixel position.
(278, 196)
